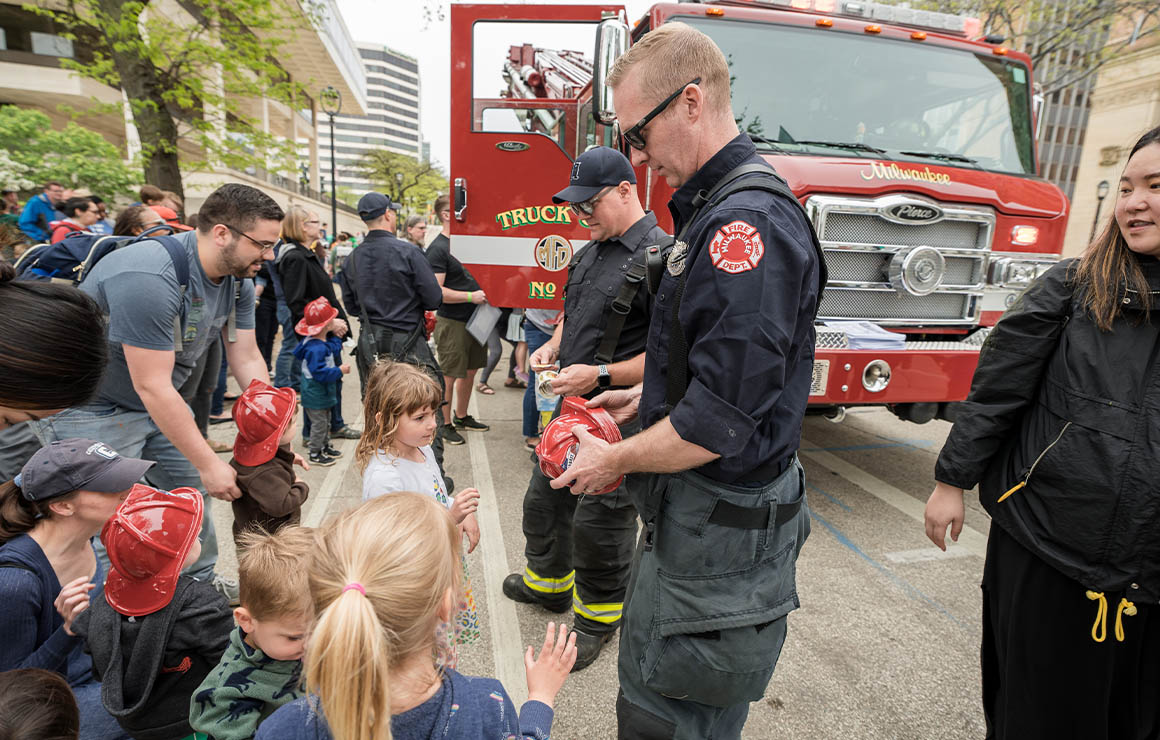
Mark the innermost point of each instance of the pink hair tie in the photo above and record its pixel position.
(355, 587)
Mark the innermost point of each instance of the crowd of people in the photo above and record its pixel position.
(118, 625)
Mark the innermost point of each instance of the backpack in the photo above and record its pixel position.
(70, 260)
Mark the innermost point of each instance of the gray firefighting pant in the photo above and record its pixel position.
(705, 617)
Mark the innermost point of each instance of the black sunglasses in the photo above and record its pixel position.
(588, 207)
(634, 137)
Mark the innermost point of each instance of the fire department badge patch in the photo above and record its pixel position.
(677, 256)
(736, 247)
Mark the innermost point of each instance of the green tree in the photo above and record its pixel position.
(192, 73)
(421, 182)
(73, 155)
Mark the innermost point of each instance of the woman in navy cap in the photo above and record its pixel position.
(48, 569)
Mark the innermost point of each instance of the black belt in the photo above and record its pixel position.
(726, 514)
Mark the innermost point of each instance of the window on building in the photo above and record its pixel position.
(51, 45)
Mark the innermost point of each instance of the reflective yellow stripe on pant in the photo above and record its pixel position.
(603, 613)
(546, 585)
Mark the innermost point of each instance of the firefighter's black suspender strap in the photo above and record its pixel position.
(678, 370)
(621, 305)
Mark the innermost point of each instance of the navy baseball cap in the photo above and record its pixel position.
(78, 465)
(372, 205)
(593, 171)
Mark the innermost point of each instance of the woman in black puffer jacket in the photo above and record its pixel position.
(304, 279)
(1061, 433)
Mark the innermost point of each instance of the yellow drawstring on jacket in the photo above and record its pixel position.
(1014, 488)
(1100, 626)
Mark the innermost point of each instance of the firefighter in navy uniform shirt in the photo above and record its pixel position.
(588, 542)
(723, 504)
(388, 284)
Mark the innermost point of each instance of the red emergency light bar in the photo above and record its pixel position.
(948, 23)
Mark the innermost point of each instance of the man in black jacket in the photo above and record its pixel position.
(388, 284)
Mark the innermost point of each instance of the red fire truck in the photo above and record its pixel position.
(911, 145)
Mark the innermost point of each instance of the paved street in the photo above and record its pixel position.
(886, 642)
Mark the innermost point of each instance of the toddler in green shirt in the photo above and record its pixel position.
(262, 668)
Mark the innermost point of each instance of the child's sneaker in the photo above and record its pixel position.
(321, 459)
(329, 451)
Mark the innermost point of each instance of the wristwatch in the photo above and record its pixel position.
(603, 377)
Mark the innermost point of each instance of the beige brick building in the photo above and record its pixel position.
(1125, 103)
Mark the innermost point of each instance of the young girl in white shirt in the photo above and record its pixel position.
(395, 455)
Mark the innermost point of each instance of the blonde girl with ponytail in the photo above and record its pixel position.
(384, 577)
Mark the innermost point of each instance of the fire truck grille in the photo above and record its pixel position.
(882, 305)
(877, 265)
(862, 228)
(874, 267)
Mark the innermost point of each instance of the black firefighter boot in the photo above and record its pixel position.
(588, 647)
(515, 589)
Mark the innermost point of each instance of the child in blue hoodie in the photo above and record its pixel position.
(384, 578)
(320, 375)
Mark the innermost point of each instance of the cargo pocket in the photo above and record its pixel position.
(722, 593)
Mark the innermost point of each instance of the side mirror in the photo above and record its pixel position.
(611, 43)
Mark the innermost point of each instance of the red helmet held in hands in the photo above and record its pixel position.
(147, 541)
(558, 446)
(316, 316)
(262, 414)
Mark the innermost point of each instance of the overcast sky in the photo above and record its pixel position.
(399, 25)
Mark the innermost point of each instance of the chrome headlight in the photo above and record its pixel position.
(1011, 272)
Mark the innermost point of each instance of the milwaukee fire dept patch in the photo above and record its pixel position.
(736, 247)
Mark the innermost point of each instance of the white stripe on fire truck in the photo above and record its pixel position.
(509, 251)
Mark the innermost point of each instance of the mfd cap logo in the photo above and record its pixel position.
(553, 252)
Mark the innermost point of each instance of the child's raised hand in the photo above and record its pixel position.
(464, 503)
(345, 368)
(470, 527)
(72, 600)
(546, 674)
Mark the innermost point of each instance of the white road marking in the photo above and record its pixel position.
(971, 540)
(923, 554)
(507, 644)
(327, 493)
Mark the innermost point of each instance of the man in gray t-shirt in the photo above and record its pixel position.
(155, 342)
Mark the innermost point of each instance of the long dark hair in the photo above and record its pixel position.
(19, 515)
(52, 344)
(38, 705)
(1108, 267)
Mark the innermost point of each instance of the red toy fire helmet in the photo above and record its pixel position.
(147, 541)
(262, 414)
(558, 446)
(317, 314)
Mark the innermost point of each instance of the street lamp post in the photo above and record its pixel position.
(399, 190)
(331, 100)
(1101, 193)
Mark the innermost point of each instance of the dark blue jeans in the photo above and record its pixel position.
(535, 339)
(286, 370)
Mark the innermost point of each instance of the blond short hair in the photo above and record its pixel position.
(273, 582)
(671, 56)
(293, 225)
